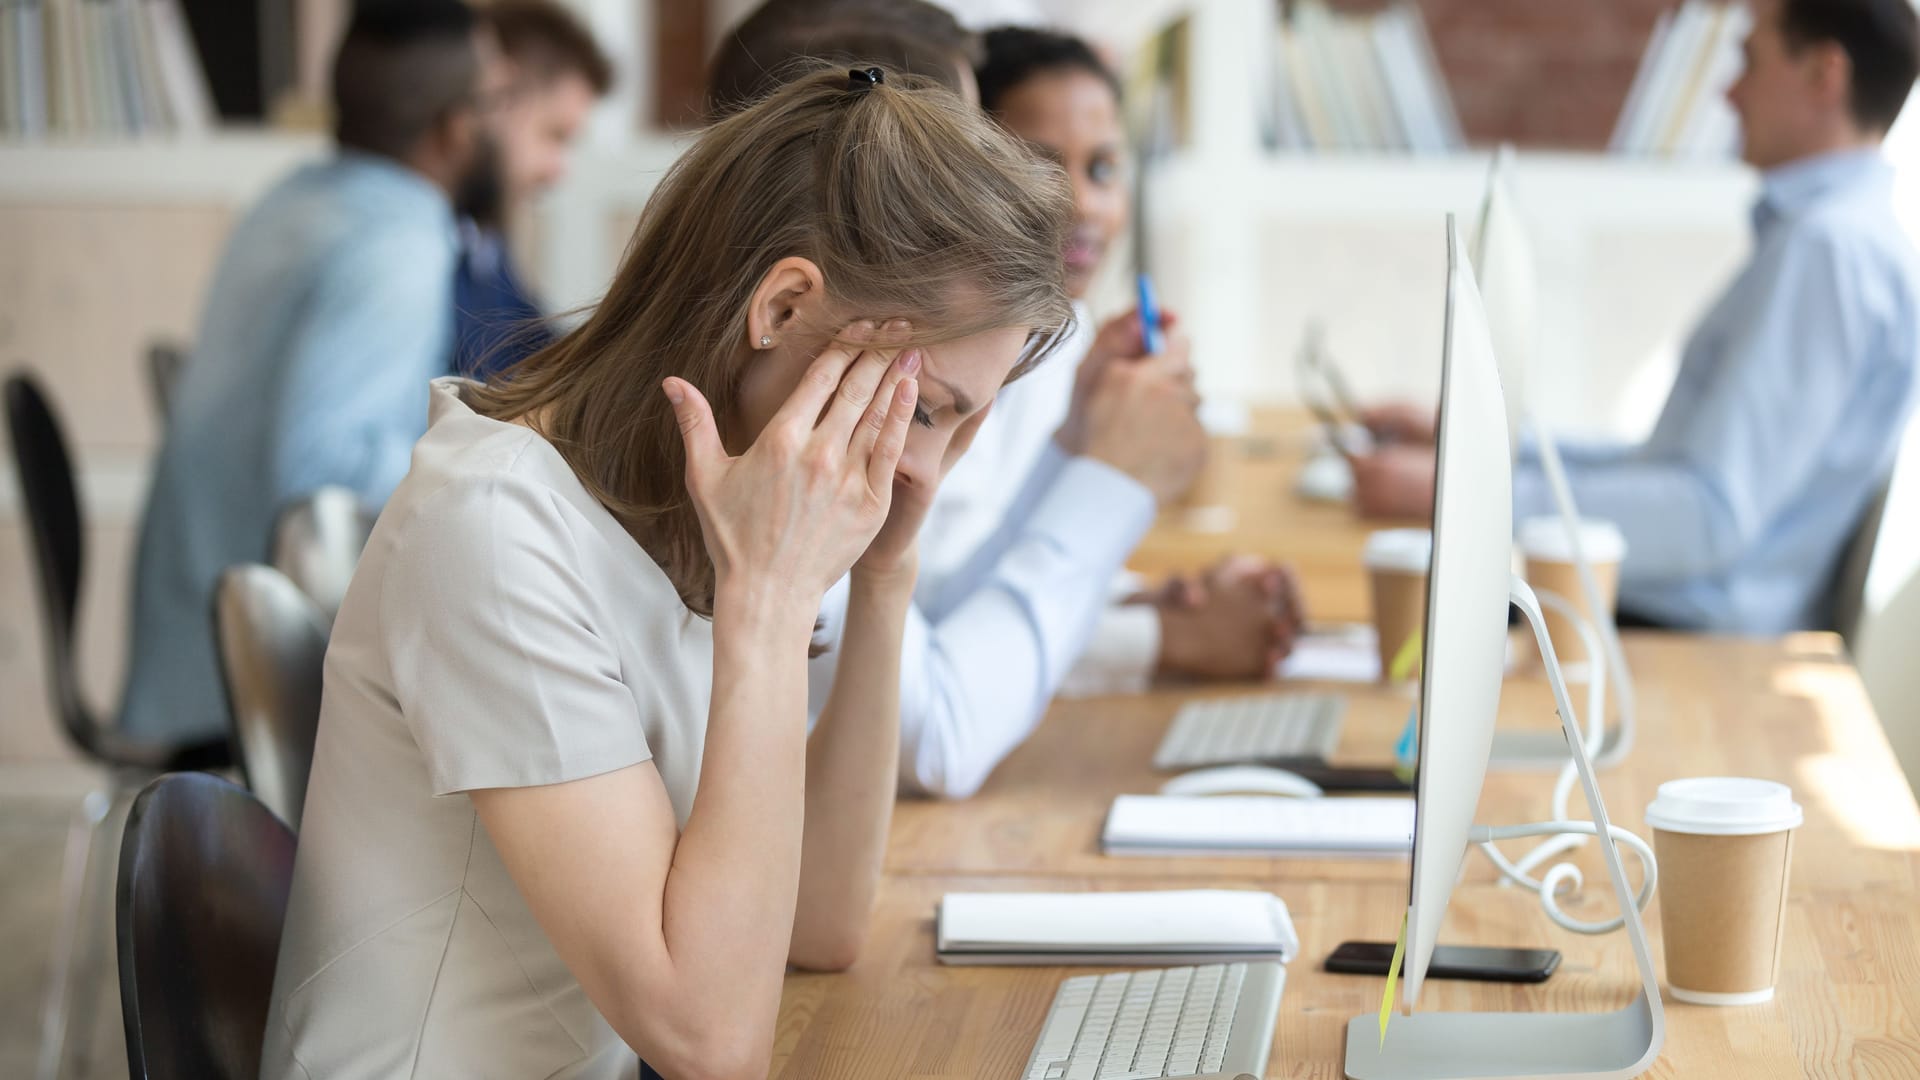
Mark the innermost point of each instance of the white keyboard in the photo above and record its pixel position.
(1182, 1021)
(1254, 729)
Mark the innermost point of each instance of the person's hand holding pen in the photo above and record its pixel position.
(1136, 411)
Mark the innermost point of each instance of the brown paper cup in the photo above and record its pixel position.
(1563, 580)
(1399, 610)
(1723, 886)
(1397, 562)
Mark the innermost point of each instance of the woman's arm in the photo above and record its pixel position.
(852, 761)
(681, 942)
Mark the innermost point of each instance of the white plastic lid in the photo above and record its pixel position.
(1407, 551)
(1724, 806)
(1549, 539)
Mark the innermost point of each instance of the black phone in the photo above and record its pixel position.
(1450, 962)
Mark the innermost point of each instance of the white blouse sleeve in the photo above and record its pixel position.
(495, 640)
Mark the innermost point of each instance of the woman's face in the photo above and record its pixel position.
(958, 381)
(1072, 115)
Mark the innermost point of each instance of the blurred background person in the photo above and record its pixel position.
(330, 313)
(555, 73)
(1795, 388)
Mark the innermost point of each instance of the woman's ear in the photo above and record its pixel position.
(790, 299)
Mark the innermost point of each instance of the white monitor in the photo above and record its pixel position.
(1466, 630)
(1504, 267)
(1504, 270)
(1469, 585)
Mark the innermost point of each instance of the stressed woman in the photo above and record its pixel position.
(564, 806)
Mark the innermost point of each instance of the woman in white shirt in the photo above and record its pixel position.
(563, 805)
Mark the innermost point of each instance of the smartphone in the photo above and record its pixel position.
(1450, 962)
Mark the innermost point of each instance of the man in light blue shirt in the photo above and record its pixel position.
(1794, 390)
(328, 315)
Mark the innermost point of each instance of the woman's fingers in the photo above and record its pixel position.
(891, 441)
(867, 433)
(859, 390)
(697, 428)
(816, 389)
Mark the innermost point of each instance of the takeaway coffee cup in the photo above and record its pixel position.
(1547, 545)
(1397, 562)
(1724, 846)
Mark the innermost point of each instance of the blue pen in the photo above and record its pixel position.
(1150, 327)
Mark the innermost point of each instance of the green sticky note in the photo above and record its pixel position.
(1404, 660)
(1393, 976)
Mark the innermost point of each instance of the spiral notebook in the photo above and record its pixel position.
(1190, 926)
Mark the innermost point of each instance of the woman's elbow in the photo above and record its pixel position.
(830, 952)
(725, 1052)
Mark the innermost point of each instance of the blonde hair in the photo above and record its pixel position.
(912, 205)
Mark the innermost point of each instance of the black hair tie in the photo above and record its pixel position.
(861, 80)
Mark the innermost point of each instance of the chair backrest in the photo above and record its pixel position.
(1849, 594)
(204, 875)
(165, 361)
(317, 541)
(273, 645)
(59, 542)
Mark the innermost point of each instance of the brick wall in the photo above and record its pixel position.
(1538, 73)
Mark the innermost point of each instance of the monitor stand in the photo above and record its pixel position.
(1545, 749)
(1483, 1046)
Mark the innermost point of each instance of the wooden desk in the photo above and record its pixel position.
(1849, 996)
(1793, 710)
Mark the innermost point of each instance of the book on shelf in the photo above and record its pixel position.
(1367, 82)
(99, 68)
(1676, 106)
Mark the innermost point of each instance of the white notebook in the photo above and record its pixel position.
(1258, 825)
(1201, 925)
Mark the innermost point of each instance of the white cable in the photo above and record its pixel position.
(1595, 735)
(1549, 886)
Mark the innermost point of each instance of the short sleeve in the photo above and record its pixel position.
(500, 663)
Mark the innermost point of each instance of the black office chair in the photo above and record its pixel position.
(1847, 595)
(204, 874)
(59, 550)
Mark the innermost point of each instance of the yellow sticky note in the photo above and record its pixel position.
(1393, 976)
(1404, 660)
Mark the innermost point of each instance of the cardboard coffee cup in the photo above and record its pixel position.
(1724, 846)
(1397, 561)
(1547, 545)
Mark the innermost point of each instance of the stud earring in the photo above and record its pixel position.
(766, 342)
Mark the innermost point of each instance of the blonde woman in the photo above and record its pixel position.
(564, 807)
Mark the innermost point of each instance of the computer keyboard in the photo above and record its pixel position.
(1256, 728)
(1182, 1021)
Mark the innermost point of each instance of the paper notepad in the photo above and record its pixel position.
(1204, 925)
(1258, 825)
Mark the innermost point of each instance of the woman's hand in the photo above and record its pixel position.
(791, 515)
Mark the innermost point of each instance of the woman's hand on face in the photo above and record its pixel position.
(792, 514)
(894, 553)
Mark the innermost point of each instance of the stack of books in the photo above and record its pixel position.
(1677, 107)
(99, 69)
(1360, 83)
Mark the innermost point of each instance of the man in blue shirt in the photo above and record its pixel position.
(1794, 390)
(555, 72)
(328, 316)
